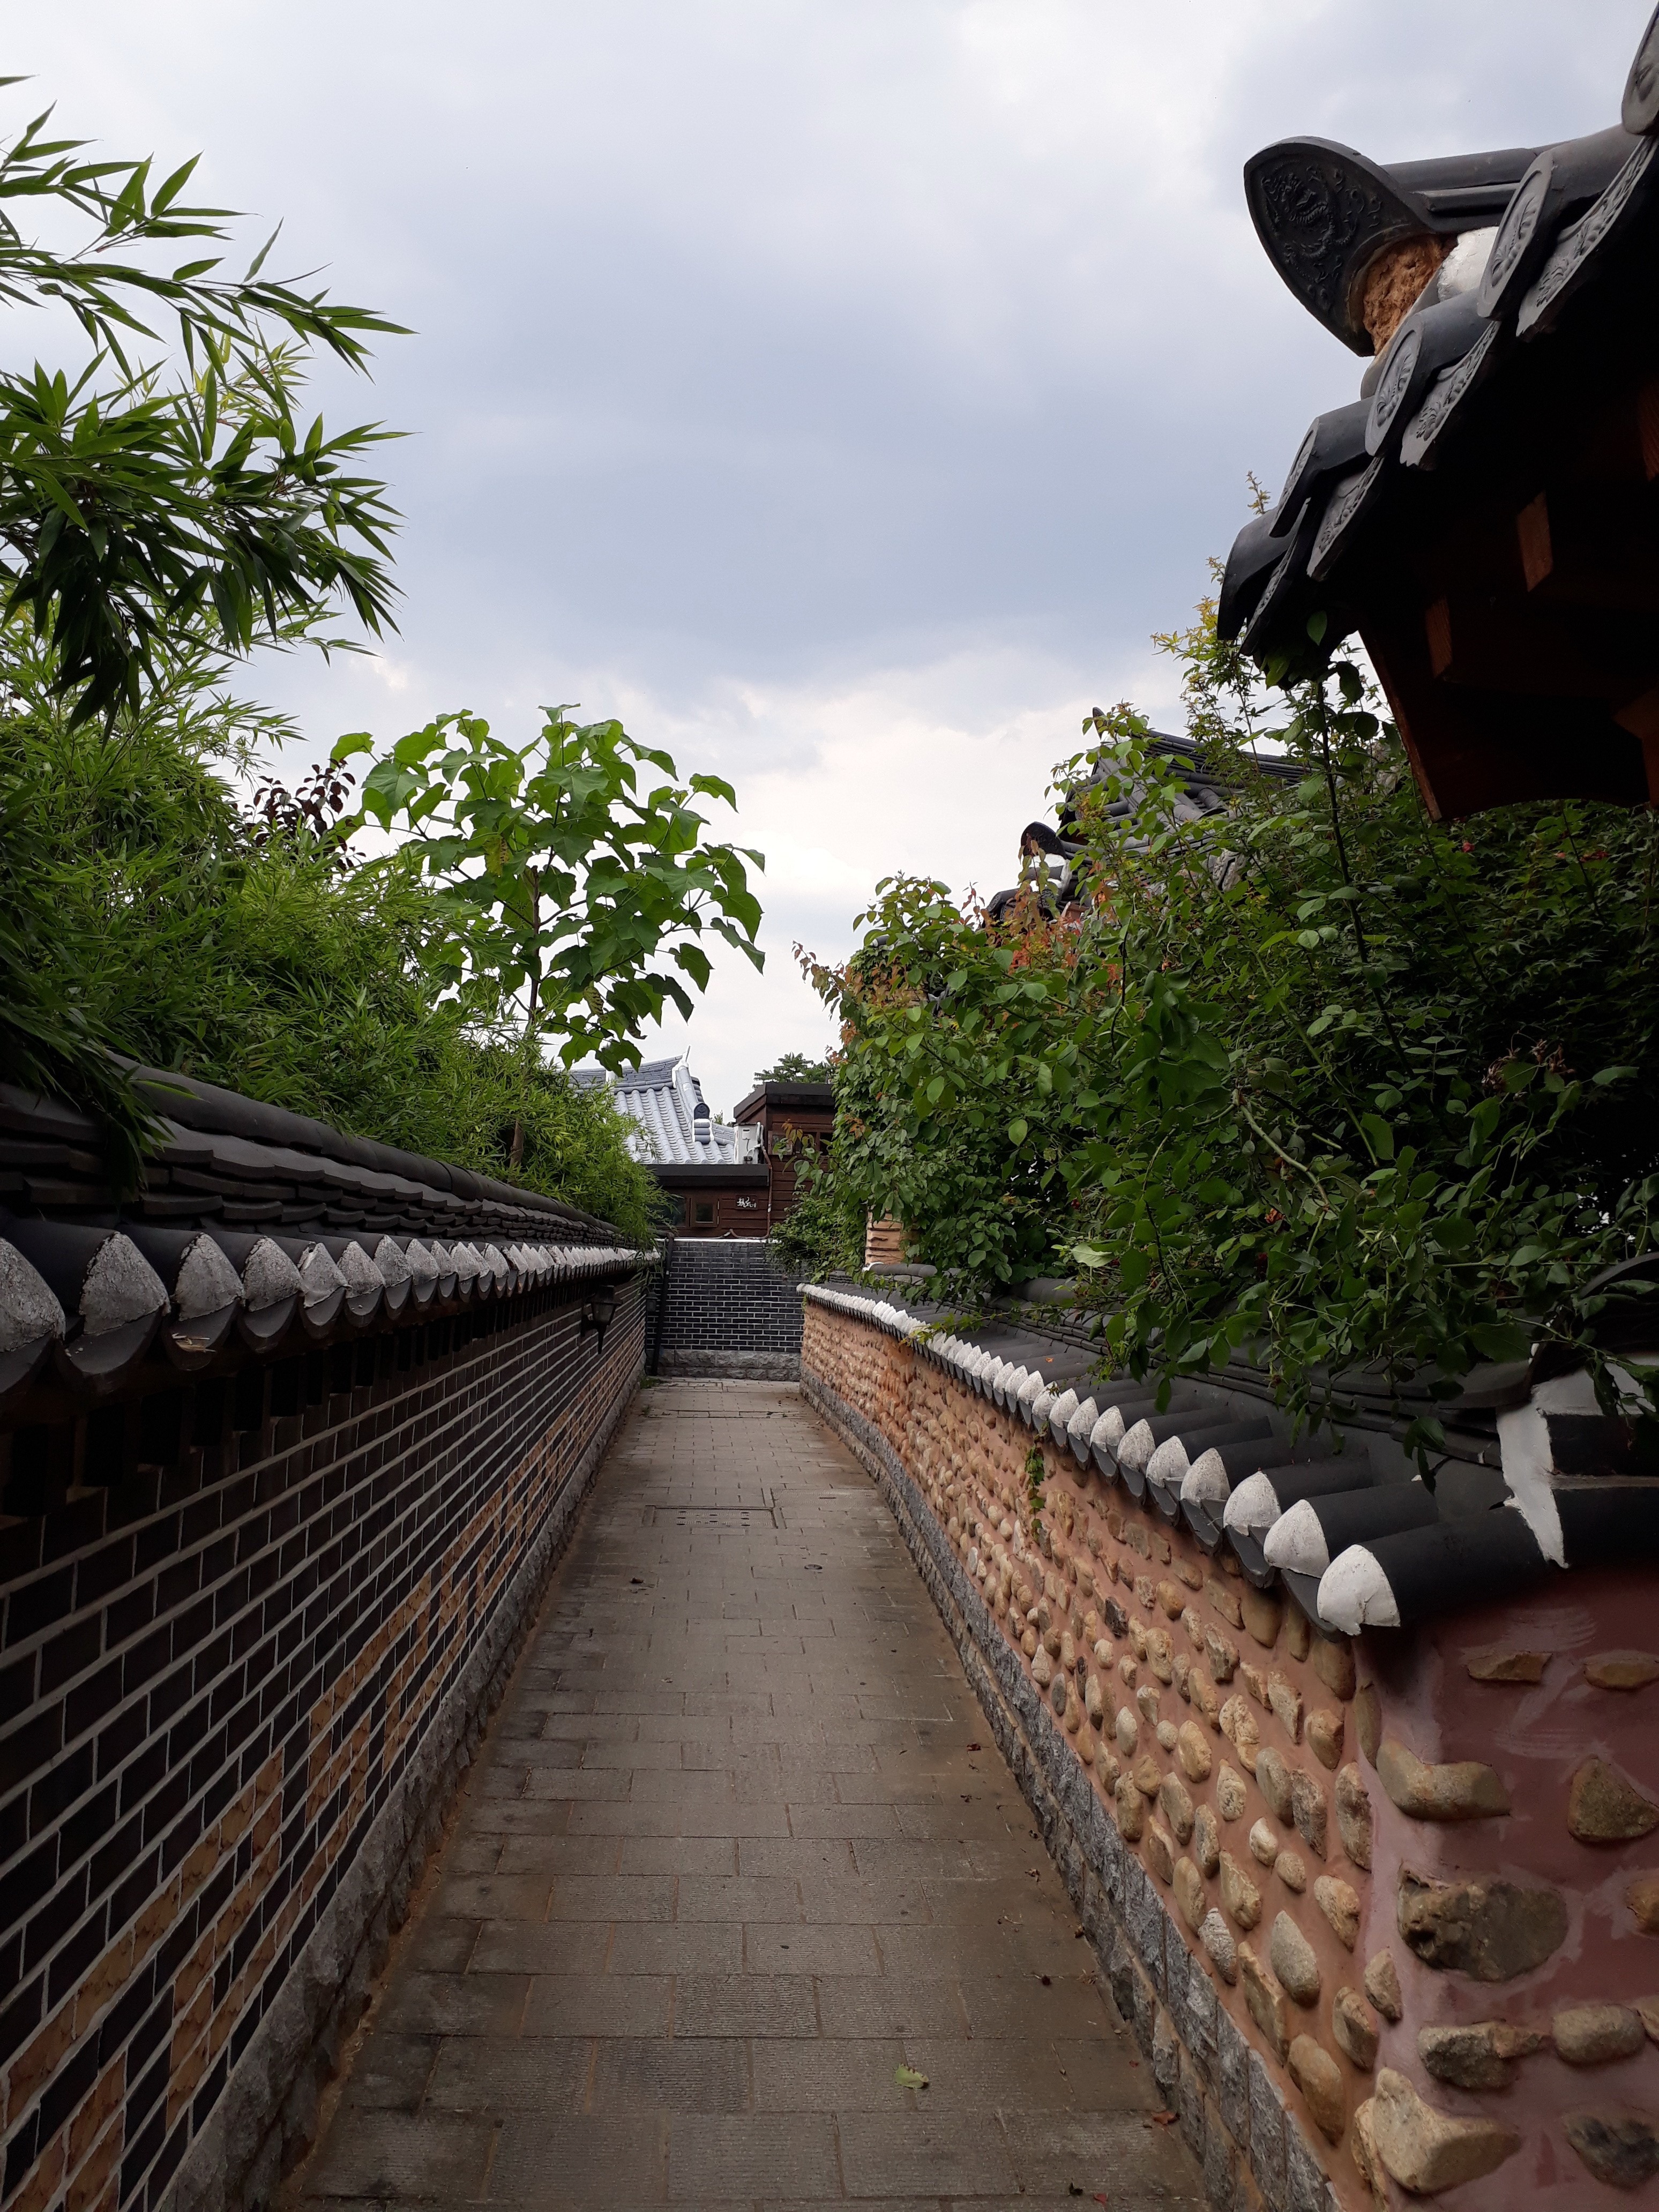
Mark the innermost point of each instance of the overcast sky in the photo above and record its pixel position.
(839, 392)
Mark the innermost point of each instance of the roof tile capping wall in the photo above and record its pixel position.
(1408, 1878)
(1482, 513)
(254, 1233)
(288, 1444)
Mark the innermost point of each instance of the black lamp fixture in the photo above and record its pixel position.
(598, 1315)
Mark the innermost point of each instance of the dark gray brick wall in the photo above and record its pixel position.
(222, 1655)
(729, 1295)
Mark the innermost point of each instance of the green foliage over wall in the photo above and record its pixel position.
(1317, 1074)
(163, 920)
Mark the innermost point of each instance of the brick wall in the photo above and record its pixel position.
(733, 1309)
(249, 1627)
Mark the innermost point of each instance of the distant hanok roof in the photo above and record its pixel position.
(673, 1125)
(1484, 513)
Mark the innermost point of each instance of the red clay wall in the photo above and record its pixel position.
(1200, 1708)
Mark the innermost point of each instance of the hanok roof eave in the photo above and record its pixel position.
(1494, 547)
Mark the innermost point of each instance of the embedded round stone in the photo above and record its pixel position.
(1641, 1895)
(1284, 1703)
(1239, 1895)
(1194, 1752)
(1176, 1804)
(1482, 1926)
(1292, 1959)
(1619, 2148)
(1622, 1670)
(1382, 1986)
(1159, 1851)
(1325, 1732)
(1292, 1871)
(1595, 2034)
(1319, 2077)
(1238, 1725)
(1131, 1809)
(1309, 1811)
(1481, 2055)
(1189, 1894)
(1217, 1940)
(1230, 1800)
(1353, 1815)
(1263, 1840)
(1504, 1662)
(1266, 2000)
(1462, 1790)
(1354, 2025)
(1368, 1719)
(1427, 2151)
(1226, 1602)
(1262, 1616)
(1273, 1779)
(1206, 1838)
(1339, 1902)
(1332, 1659)
(1603, 1807)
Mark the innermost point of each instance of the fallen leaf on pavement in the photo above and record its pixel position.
(908, 2078)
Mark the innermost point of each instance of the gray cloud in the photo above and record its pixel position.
(841, 392)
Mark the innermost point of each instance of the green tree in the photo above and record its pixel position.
(794, 1068)
(561, 877)
(141, 495)
(162, 507)
(178, 927)
(1314, 1074)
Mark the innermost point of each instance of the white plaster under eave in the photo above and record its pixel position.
(1523, 1443)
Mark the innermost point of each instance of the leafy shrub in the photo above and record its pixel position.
(1315, 1075)
(161, 919)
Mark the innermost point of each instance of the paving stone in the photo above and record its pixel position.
(383, 2154)
(724, 1863)
(491, 2074)
(580, 2158)
(694, 2075)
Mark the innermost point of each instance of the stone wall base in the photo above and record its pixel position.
(693, 1362)
(1231, 2114)
(265, 2121)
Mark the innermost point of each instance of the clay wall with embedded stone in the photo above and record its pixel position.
(1215, 1728)
(1511, 1759)
(1420, 1870)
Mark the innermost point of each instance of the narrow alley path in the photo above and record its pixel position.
(738, 1850)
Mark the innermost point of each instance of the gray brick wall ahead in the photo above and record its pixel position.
(728, 1295)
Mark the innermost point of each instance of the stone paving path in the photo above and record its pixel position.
(737, 1850)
